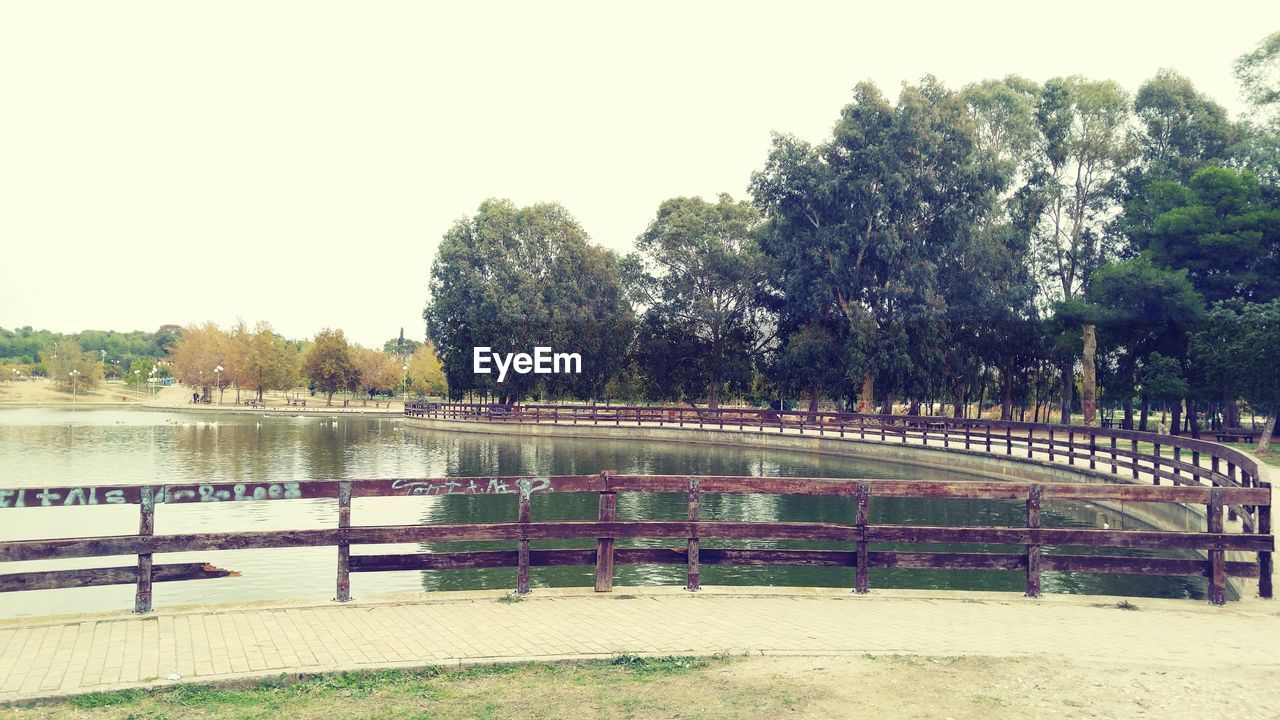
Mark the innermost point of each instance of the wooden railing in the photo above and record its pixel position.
(1139, 456)
(856, 534)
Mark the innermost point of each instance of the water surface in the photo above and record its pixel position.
(46, 447)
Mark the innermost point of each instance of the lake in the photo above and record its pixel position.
(44, 447)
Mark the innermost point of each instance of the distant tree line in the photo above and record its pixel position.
(1011, 247)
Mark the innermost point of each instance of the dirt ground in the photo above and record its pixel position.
(40, 391)
(863, 686)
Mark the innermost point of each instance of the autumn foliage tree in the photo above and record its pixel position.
(329, 363)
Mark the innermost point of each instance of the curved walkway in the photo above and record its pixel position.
(49, 657)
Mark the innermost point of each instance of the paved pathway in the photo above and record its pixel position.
(59, 656)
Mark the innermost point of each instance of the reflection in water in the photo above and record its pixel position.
(41, 447)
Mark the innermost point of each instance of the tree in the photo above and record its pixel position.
(699, 269)
(512, 279)
(1258, 72)
(426, 373)
(71, 368)
(199, 352)
(378, 371)
(1237, 350)
(859, 227)
(1141, 311)
(1222, 229)
(328, 363)
(1071, 193)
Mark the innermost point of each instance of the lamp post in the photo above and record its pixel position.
(137, 380)
(404, 383)
(217, 375)
(75, 374)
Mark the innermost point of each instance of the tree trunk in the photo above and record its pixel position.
(1144, 413)
(866, 400)
(1175, 426)
(1068, 372)
(1128, 412)
(328, 399)
(1090, 399)
(1193, 420)
(713, 395)
(887, 407)
(1006, 390)
(913, 407)
(958, 401)
(1268, 427)
(1230, 414)
(813, 402)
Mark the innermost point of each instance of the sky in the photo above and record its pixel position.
(298, 162)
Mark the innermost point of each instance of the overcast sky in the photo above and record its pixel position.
(298, 162)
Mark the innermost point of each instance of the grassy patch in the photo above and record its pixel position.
(626, 686)
(1271, 457)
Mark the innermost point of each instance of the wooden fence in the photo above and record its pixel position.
(1137, 455)
(857, 534)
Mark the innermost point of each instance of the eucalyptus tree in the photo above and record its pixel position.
(860, 226)
(1072, 192)
(698, 271)
(511, 279)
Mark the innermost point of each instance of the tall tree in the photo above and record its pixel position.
(71, 368)
(860, 226)
(513, 278)
(1237, 351)
(197, 356)
(329, 364)
(700, 270)
(1072, 191)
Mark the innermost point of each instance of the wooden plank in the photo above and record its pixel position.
(604, 542)
(90, 577)
(133, 544)
(861, 580)
(343, 592)
(1217, 558)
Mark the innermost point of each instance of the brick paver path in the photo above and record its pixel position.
(57, 656)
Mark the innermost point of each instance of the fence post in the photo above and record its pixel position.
(1264, 558)
(344, 548)
(1113, 454)
(1133, 459)
(1050, 443)
(1033, 548)
(522, 545)
(1008, 440)
(1093, 450)
(860, 582)
(146, 526)
(694, 581)
(604, 545)
(1217, 557)
(1155, 464)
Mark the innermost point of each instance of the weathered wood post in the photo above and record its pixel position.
(694, 579)
(1093, 450)
(1217, 556)
(522, 546)
(1264, 558)
(861, 583)
(146, 526)
(1133, 458)
(344, 548)
(604, 545)
(1033, 547)
(1113, 454)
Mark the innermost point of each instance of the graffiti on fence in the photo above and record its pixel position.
(472, 486)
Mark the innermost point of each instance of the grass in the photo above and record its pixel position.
(1271, 457)
(627, 686)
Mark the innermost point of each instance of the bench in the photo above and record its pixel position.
(1236, 435)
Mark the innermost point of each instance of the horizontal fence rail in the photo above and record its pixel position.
(857, 534)
(1130, 454)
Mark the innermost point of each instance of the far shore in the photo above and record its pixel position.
(40, 393)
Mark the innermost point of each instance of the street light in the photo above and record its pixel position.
(74, 375)
(404, 393)
(217, 375)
